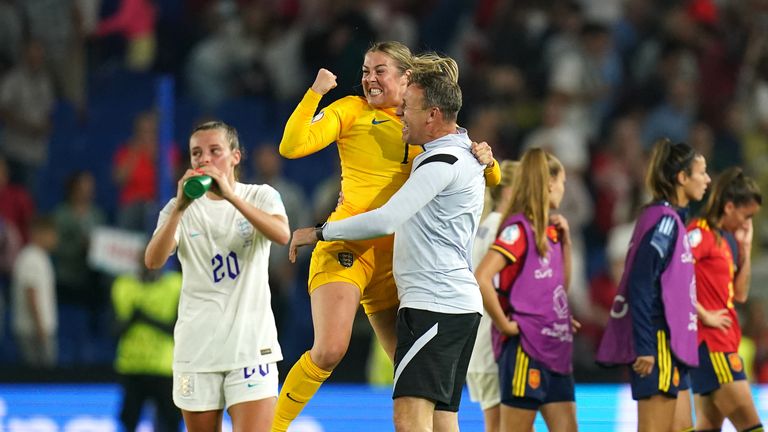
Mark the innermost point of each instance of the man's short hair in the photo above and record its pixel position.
(439, 91)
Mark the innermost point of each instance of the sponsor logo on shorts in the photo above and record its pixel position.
(346, 259)
(676, 378)
(266, 351)
(735, 362)
(534, 378)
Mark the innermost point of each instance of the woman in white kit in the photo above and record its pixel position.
(225, 337)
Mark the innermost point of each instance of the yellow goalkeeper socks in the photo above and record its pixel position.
(300, 385)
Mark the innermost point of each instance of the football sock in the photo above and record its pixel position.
(300, 385)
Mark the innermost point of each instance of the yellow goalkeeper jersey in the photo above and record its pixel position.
(375, 162)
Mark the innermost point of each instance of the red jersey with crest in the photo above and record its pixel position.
(715, 271)
(512, 243)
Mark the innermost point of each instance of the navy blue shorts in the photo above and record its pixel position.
(526, 383)
(715, 369)
(668, 376)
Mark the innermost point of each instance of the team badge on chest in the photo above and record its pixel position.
(244, 228)
(346, 259)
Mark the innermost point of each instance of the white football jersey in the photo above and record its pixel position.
(225, 317)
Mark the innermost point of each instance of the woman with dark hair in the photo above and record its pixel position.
(653, 319)
(721, 242)
(225, 338)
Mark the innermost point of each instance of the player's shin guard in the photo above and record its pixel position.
(300, 385)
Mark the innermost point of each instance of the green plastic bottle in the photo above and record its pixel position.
(197, 186)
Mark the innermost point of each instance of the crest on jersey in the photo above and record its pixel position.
(346, 259)
(694, 237)
(244, 228)
(319, 116)
(534, 378)
(510, 234)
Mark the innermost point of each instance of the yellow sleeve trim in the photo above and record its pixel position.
(504, 252)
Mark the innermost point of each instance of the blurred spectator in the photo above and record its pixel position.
(498, 107)
(605, 12)
(673, 117)
(228, 62)
(701, 138)
(586, 76)
(603, 287)
(26, 104)
(78, 284)
(16, 205)
(728, 146)
(617, 173)
(56, 24)
(754, 96)
(719, 50)
(88, 14)
(33, 293)
(634, 28)
(561, 138)
(652, 66)
(145, 309)
(268, 169)
(495, 24)
(336, 42)
(391, 22)
(282, 61)
(135, 172)
(135, 20)
(10, 35)
(16, 211)
(756, 330)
